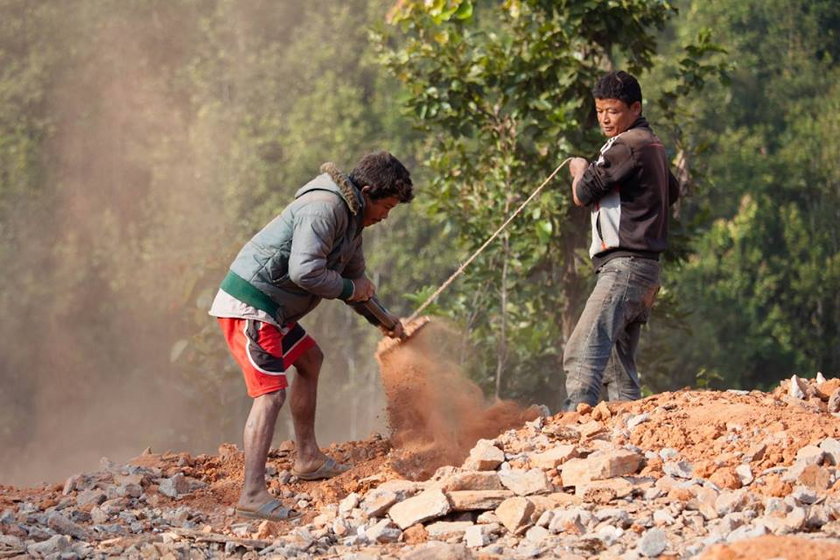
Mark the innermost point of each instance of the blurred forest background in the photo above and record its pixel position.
(143, 142)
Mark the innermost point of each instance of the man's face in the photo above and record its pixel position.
(615, 116)
(377, 210)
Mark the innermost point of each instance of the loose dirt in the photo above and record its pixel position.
(436, 414)
(773, 547)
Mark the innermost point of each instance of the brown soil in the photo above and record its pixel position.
(713, 430)
(770, 546)
(435, 413)
(223, 474)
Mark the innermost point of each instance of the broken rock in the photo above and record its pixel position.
(554, 457)
(815, 477)
(94, 497)
(653, 543)
(383, 532)
(831, 447)
(603, 491)
(174, 486)
(834, 402)
(744, 473)
(54, 545)
(484, 456)
(678, 469)
(468, 500)
(600, 465)
(443, 530)
(471, 480)
(481, 535)
(436, 550)
(523, 483)
(427, 505)
(64, 526)
(810, 455)
(515, 514)
(572, 521)
(377, 502)
(601, 412)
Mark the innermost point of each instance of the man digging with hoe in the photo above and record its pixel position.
(311, 251)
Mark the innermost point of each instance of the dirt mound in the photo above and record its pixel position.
(717, 432)
(707, 474)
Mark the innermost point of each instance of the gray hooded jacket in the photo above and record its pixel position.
(310, 251)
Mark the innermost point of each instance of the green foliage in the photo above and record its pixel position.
(502, 91)
(705, 379)
(762, 285)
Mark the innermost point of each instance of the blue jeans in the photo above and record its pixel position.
(601, 353)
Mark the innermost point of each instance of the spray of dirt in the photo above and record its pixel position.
(435, 412)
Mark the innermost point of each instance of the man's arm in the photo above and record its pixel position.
(312, 241)
(364, 289)
(356, 266)
(600, 178)
(577, 167)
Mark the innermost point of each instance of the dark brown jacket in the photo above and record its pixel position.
(629, 189)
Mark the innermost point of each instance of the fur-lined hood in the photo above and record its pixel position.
(349, 192)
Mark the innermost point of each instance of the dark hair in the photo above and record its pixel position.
(618, 85)
(385, 175)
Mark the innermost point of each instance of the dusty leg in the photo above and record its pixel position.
(304, 398)
(259, 430)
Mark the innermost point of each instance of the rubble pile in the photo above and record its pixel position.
(690, 474)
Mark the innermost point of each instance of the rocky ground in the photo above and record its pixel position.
(691, 474)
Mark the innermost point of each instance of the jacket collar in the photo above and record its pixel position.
(639, 122)
(349, 192)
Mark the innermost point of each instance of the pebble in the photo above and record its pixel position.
(679, 469)
(653, 543)
(637, 419)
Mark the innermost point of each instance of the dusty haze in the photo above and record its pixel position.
(106, 347)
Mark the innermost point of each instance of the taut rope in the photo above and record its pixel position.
(486, 243)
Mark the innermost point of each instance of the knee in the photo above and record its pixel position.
(273, 401)
(310, 363)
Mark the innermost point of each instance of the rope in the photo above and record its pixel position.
(486, 243)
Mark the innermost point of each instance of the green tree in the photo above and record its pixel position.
(502, 91)
(762, 286)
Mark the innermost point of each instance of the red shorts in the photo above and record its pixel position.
(264, 351)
